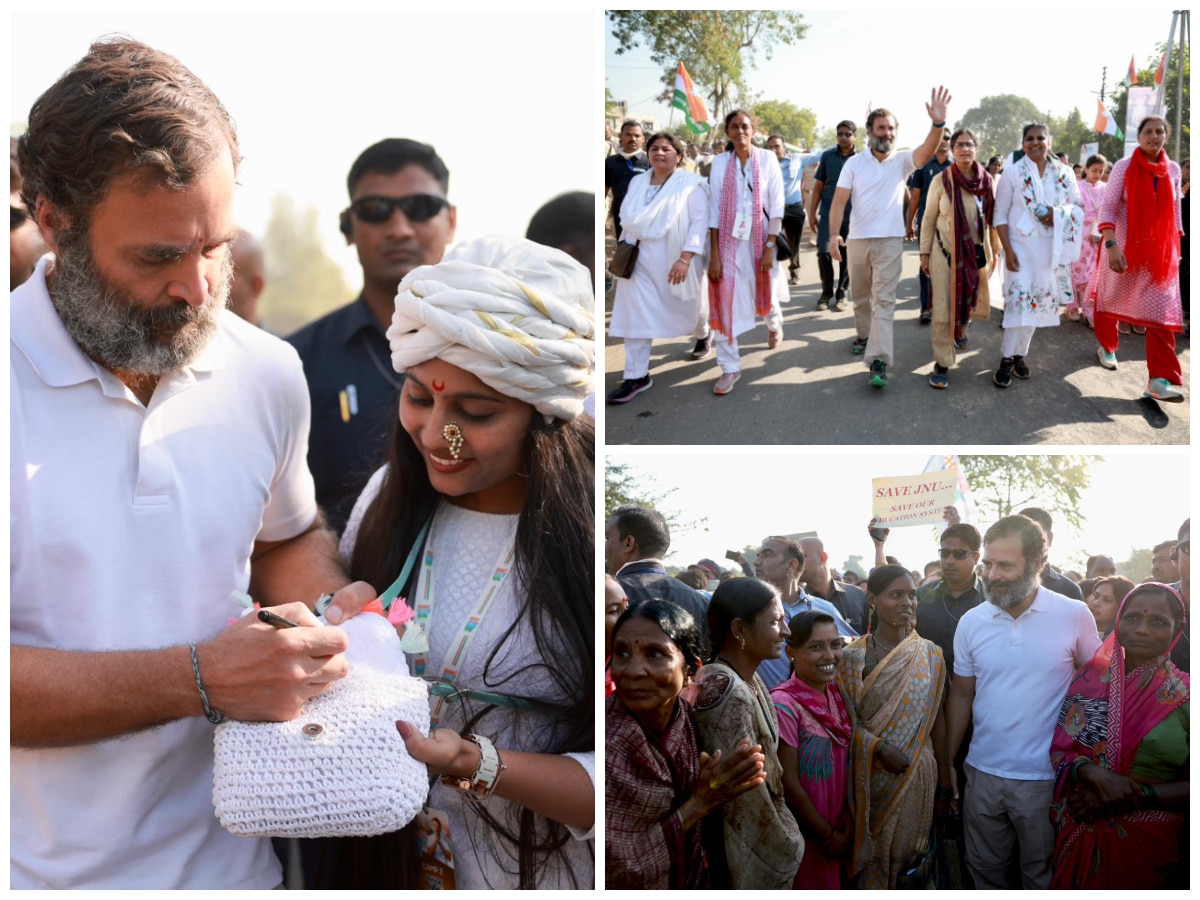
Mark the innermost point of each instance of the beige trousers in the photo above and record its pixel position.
(874, 276)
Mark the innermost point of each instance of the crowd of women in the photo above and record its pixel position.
(835, 778)
(1035, 238)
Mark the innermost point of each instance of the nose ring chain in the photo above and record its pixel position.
(454, 438)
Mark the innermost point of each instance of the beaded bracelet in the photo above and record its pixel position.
(209, 713)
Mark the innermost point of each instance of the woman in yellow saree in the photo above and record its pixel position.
(894, 681)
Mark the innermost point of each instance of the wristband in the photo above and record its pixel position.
(1149, 795)
(1108, 245)
(483, 782)
(938, 125)
(209, 713)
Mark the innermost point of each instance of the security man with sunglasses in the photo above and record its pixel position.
(398, 219)
(940, 604)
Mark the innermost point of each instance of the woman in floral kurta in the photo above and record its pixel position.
(1038, 247)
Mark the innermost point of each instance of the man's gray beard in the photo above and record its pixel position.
(880, 145)
(1014, 594)
(112, 329)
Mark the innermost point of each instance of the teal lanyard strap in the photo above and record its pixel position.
(393, 592)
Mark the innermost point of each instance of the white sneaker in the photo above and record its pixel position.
(1161, 389)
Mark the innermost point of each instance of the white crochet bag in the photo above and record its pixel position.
(340, 768)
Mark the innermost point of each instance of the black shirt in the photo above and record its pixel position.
(938, 614)
(850, 601)
(1060, 584)
(618, 172)
(355, 401)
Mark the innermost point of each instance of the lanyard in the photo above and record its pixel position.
(452, 665)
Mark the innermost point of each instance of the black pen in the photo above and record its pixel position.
(270, 618)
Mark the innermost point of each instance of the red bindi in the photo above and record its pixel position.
(439, 386)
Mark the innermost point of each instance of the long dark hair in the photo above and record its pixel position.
(554, 572)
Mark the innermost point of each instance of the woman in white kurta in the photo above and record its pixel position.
(745, 214)
(491, 456)
(1039, 221)
(665, 213)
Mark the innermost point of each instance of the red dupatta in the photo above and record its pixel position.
(720, 315)
(1106, 713)
(1151, 238)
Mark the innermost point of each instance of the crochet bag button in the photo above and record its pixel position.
(338, 770)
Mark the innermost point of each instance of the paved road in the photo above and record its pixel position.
(811, 390)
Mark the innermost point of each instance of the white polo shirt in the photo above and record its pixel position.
(1021, 668)
(877, 192)
(129, 528)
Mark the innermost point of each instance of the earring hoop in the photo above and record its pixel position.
(454, 438)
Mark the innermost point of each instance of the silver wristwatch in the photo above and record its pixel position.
(483, 782)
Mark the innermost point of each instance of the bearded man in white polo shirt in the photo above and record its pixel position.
(157, 464)
(874, 183)
(1013, 659)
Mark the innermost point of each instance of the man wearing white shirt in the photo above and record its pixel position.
(875, 182)
(1013, 659)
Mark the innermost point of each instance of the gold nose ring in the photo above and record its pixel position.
(454, 438)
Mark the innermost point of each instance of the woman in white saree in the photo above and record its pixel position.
(665, 214)
(1039, 219)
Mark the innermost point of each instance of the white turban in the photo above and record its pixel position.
(515, 314)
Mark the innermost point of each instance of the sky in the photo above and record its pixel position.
(779, 490)
(310, 91)
(852, 60)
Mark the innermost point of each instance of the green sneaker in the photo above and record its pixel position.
(879, 373)
(859, 347)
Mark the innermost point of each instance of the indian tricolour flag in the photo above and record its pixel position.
(692, 105)
(1106, 122)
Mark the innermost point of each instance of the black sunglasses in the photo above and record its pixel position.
(957, 554)
(416, 207)
(16, 217)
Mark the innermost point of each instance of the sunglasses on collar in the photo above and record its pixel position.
(416, 207)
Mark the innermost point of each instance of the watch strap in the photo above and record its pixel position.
(483, 782)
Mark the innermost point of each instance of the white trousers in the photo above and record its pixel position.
(1016, 340)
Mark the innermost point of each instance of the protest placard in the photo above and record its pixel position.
(912, 499)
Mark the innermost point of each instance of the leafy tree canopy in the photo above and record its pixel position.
(716, 46)
(798, 126)
(625, 487)
(1003, 485)
(997, 122)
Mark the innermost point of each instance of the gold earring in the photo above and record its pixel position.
(454, 438)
